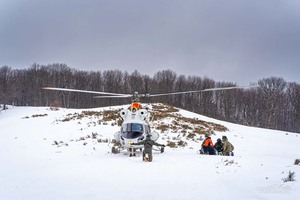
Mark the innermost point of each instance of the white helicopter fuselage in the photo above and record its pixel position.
(134, 128)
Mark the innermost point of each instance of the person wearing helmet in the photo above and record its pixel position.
(219, 146)
(227, 147)
(208, 146)
(148, 143)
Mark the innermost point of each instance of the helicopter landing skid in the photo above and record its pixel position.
(131, 151)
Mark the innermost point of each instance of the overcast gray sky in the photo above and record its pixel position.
(240, 41)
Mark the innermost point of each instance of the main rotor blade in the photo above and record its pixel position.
(83, 91)
(124, 96)
(205, 90)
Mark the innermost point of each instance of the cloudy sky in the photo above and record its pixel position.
(240, 41)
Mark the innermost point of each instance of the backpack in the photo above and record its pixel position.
(232, 147)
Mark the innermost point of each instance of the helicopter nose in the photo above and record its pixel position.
(130, 142)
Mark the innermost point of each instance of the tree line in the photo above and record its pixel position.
(274, 104)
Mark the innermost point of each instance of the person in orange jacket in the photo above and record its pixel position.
(208, 146)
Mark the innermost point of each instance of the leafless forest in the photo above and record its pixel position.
(274, 104)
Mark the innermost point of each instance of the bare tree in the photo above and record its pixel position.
(275, 104)
(293, 93)
(273, 94)
(5, 87)
(164, 82)
(113, 82)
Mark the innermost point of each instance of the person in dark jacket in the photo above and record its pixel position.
(219, 146)
(148, 143)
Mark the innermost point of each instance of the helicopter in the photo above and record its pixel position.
(135, 119)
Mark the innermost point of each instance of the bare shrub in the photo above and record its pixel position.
(290, 177)
(297, 162)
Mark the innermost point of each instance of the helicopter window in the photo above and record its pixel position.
(137, 127)
(132, 130)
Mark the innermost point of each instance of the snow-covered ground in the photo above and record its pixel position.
(80, 167)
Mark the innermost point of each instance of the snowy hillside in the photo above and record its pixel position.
(56, 154)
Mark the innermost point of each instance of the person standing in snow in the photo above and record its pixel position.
(227, 147)
(219, 146)
(148, 143)
(208, 146)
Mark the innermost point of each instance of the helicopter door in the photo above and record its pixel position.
(154, 135)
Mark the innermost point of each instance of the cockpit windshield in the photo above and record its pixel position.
(132, 130)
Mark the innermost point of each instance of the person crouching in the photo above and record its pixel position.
(227, 147)
(208, 146)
